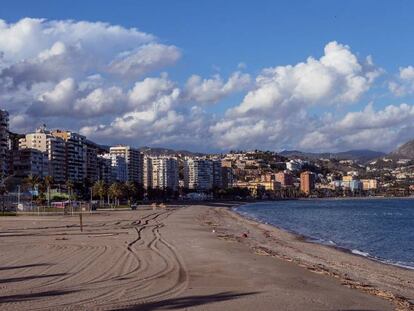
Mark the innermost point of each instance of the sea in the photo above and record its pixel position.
(381, 229)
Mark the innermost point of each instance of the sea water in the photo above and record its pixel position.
(382, 229)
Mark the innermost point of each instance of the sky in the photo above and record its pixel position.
(212, 76)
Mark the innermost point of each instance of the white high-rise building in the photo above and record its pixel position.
(198, 174)
(53, 147)
(75, 154)
(164, 173)
(131, 167)
(147, 172)
(4, 142)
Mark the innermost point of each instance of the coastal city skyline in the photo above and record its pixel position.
(123, 77)
(206, 155)
(71, 162)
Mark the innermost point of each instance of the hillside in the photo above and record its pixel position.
(357, 155)
(166, 151)
(405, 151)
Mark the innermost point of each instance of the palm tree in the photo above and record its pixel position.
(69, 186)
(130, 190)
(116, 192)
(99, 189)
(48, 180)
(32, 181)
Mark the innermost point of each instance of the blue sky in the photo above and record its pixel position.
(223, 37)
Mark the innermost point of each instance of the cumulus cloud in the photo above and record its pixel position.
(54, 68)
(152, 103)
(58, 101)
(212, 90)
(105, 81)
(404, 84)
(368, 128)
(30, 37)
(275, 112)
(68, 99)
(337, 77)
(145, 59)
(38, 55)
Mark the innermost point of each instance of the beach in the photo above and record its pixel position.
(192, 257)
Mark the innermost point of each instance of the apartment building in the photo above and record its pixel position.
(198, 174)
(104, 163)
(54, 148)
(369, 184)
(285, 179)
(307, 182)
(127, 164)
(91, 161)
(217, 174)
(147, 172)
(164, 173)
(75, 154)
(4, 138)
(227, 176)
(30, 162)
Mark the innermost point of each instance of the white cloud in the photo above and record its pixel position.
(337, 77)
(94, 77)
(100, 102)
(145, 59)
(37, 54)
(275, 114)
(404, 84)
(57, 101)
(369, 128)
(214, 89)
(151, 112)
(157, 92)
(66, 73)
(30, 37)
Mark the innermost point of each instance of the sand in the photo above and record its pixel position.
(182, 258)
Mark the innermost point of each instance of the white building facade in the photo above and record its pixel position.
(198, 174)
(53, 147)
(127, 164)
(164, 173)
(4, 142)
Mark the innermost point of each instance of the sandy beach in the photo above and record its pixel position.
(184, 258)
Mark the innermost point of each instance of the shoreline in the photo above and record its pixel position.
(390, 282)
(191, 257)
(312, 240)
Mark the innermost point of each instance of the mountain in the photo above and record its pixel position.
(170, 152)
(152, 151)
(356, 155)
(405, 151)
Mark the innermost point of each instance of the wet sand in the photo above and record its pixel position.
(182, 258)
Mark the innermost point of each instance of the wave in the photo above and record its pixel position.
(360, 253)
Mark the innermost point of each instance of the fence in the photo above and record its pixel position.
(20, 204)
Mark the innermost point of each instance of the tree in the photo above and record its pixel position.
(32, 181)
(116, 192)
(130, 190)
(69, 186)
(99, 189)
(48, 182)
